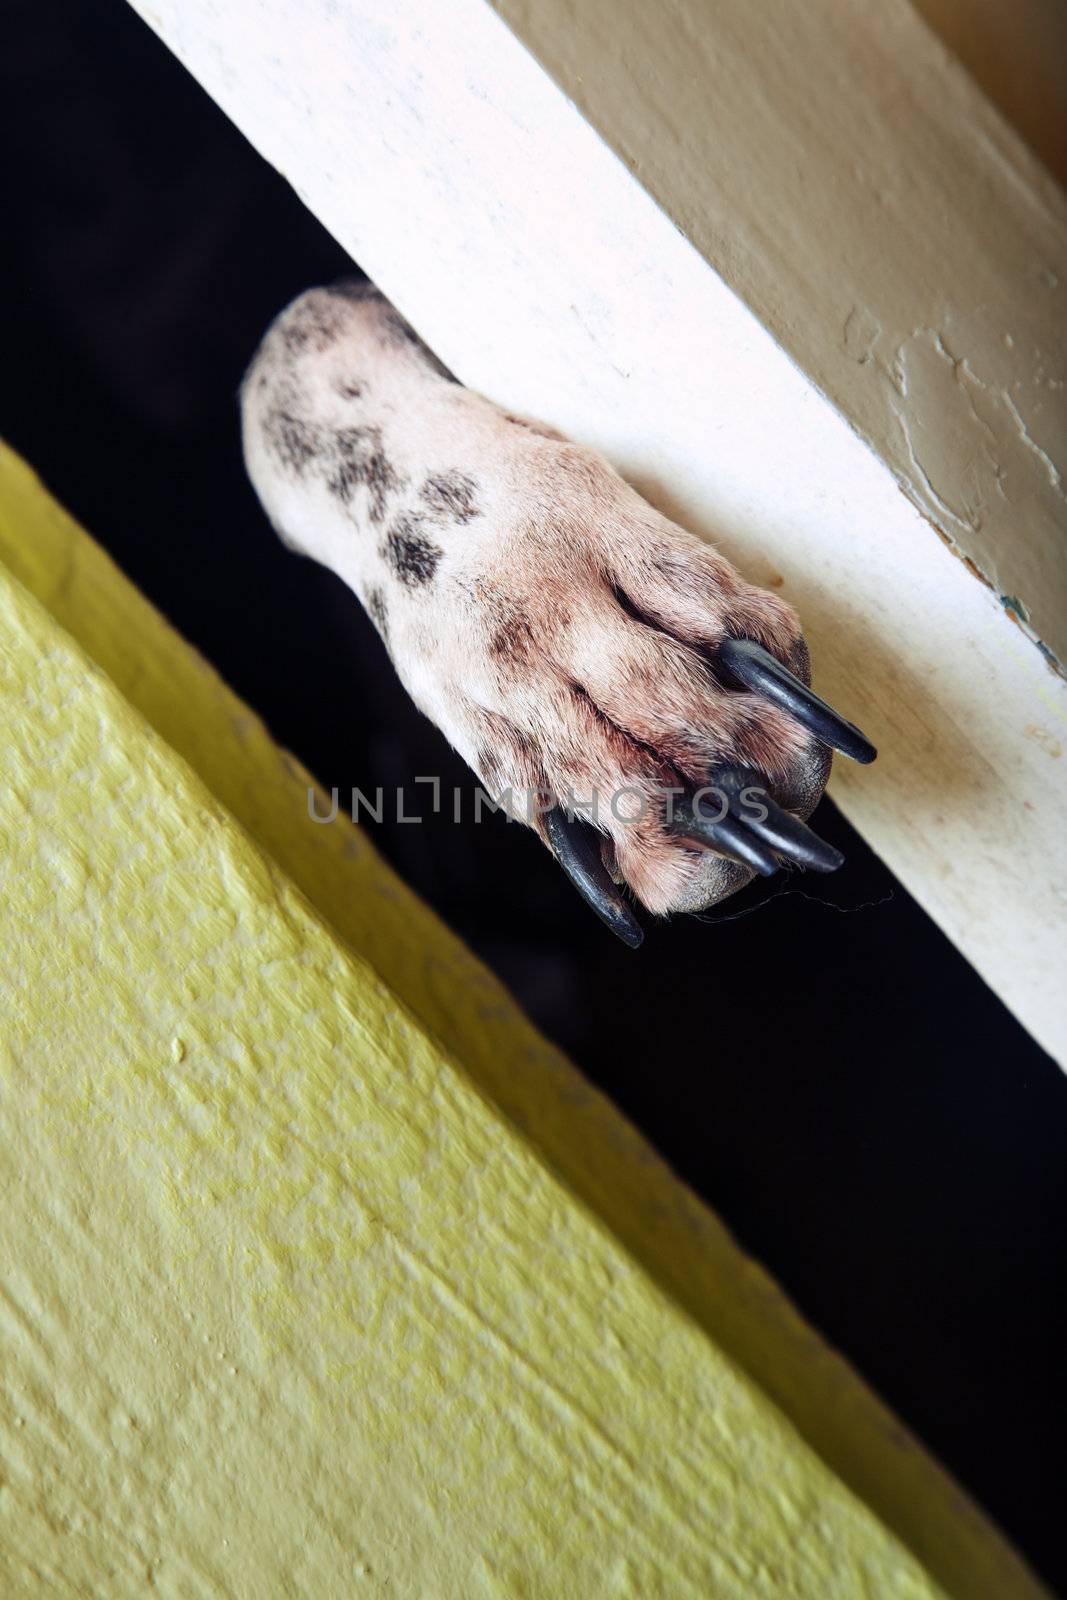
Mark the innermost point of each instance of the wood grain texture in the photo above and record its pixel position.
(224, 1214)
(484, 204)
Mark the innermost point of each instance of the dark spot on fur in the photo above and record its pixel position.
(349, 389)
(354, 289)
(412, 556)
(512, 638)
(292, 440)
(519, 750)
(378, 611)
(311, 325)
(451, 494)
(528, 751)
(489, 767)
(360, 461)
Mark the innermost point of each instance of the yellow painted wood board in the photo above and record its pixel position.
(313, 1289)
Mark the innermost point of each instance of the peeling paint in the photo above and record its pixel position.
(971, 453)
(1055, 477)
(1013, 607)
(873, 210)
(861, 333)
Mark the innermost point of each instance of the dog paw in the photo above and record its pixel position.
(633, 699)
(611, 679)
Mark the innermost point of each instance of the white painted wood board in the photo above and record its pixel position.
(478, 197)
(845, 175)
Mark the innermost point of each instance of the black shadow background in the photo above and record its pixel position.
(825, 1070)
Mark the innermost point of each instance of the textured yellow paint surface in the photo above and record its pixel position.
(288, 1306)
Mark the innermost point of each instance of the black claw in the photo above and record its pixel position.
(755, 830)
(727, 835)
(754, 667)
(790, 837)
(574, 847)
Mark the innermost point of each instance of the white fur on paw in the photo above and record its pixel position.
(559, 631)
